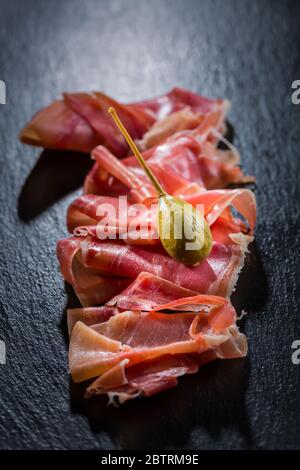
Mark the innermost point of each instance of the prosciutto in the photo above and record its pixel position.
(79, 121)
(180, 161)
(90, 264)
(85, 218)
(147, 319)
(147, 291)
(90, 286)
(144, 293)
(99, 269)
(92, 214)
(141, 353)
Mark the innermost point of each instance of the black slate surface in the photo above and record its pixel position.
(247, 51)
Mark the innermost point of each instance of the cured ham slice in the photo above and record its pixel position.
(145, 293)
(125, 350)
(138, 185)
(146, 378)
(139, 336)
(177, 99)
(89, 209)
(179, 162)
(217, 203)
(97, 215)
(89, 315)
(156, 375)
(58, 127)
(80, 122)
(99, 270)
(91, 265)
(180, 121)
(93, 108)
(109, 267)
(89, 285)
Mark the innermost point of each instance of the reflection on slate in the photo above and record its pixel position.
(55, 174)
(213, 399)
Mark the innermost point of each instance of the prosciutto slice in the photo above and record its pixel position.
(179, 162)
(138, 352)
(148, 291)
(213, 275)
(90, 286)
(89, 315)
(145, 293)
(80, 121)
(59, 127)
(153, 376)
(102, 269)
(91, 214)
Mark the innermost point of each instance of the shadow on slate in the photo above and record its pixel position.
(229, 135)
(214, 399)
(72, 302)
(251, 292)
(55, 174)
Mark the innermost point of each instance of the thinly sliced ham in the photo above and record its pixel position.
(124, 349)
(148, 291)
(156, 375)
(99, 270)
(146, 378)
(145, 293)
(80, 121)
(97, 215)
(216, 203)
(178, 121)
(59, 127)
(89, 285)
(93, 108)
(90, 265)
(177, 99)
(147, 319)
(89, 209)
(139, 336)
(89, 315)
(179, 163)
(213, 275)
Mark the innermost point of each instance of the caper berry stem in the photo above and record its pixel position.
(168, 207)
(137, 153)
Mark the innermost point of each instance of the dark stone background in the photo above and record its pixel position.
(247, 51)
